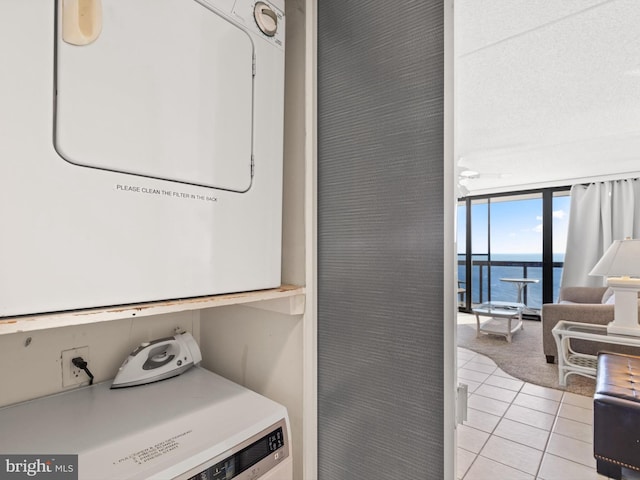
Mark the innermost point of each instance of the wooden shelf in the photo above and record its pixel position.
(288, 299)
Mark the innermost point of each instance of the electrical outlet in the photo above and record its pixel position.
(72, 375)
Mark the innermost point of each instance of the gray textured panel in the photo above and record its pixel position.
(380, 223)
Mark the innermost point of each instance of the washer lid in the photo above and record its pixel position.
(158, 430)
(165, 90)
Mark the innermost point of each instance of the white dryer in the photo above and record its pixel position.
(140, 151)
(194, 426)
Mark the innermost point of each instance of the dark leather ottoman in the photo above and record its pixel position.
(616, 414)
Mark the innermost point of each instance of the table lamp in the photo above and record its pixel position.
(621, 265)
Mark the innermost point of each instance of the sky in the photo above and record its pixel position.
(516, 226)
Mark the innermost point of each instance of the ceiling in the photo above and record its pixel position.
(547, 92)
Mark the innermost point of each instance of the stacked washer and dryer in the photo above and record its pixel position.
(141, 151)
(140, 160)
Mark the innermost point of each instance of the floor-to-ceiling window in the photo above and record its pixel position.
(511, 247)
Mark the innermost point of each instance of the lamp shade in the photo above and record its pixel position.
(622, 259)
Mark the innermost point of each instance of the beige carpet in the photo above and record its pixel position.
(523, 357)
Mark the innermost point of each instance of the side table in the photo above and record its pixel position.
(520, 283)
(505, 318)
(572, 362)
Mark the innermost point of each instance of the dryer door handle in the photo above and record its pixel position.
(81, 21)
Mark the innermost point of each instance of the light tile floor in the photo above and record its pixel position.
(517, 430)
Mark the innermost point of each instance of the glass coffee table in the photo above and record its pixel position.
(503, 318)
(572, 362)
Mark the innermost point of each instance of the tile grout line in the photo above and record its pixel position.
(562, 401)
(549, 432)
(502, 416)
(475, 455)
(498, 423)
(546, 444)
(565, 436)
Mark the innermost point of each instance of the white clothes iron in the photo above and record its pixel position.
(158, 360)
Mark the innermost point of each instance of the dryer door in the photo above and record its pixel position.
(155, 88)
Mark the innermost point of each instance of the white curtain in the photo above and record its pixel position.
(600, 213)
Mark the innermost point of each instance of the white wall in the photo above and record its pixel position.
(33, 370)
(293, 218)
(262, 351)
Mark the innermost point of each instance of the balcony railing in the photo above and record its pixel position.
(486, 285)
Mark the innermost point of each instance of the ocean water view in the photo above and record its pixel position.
(485, 279)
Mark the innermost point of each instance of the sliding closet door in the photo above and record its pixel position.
(380, 224)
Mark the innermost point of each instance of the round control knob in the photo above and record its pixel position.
(160, 357)
(266, 18)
